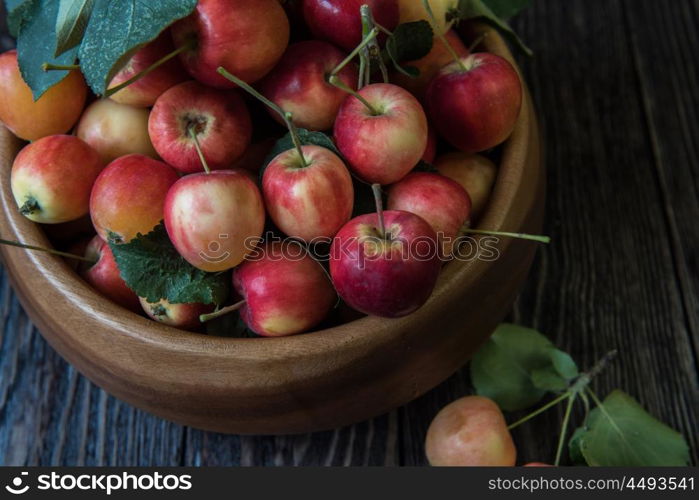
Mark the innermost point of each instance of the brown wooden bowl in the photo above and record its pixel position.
(310, 382)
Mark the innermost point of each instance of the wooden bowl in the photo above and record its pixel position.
(312, 382)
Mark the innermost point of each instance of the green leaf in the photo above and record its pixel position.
(518, 366)
(479, 9)
(117, 29)
(36, 45)
(71, 22)
(506, 9)
(620, 433)
(17, 11)
(151, 267)
(576, 456)
(410, 42)
(306, 137)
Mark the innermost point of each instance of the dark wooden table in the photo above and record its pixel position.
(616, 84)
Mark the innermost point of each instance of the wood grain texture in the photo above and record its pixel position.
(615, 86)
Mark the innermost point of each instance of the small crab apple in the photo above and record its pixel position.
(442, 202)
(145, 90)
(189, 113)
(128, 197)
(55, 112)
(311, 199)
(299, 85)
(385, 264)
(285, 291)
(104, 275)
(52, 179)
(246, 36)
(382, 132)
(212, 218)
(184, 316)
(475, 101)
(340, 22)
(471, 431)
(115, 130)
(475, 173)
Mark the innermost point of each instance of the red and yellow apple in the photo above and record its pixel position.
(52, 178)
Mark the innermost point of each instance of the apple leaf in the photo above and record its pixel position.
(17, 11)
(71, 22)
(481, 9)
(409, 42)
(576, 456)
(307, 137)
(117, 29)
(518, 366)
(36, 45)
(151, 266)
(620, 433)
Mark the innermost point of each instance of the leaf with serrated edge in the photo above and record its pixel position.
(621, 433)
(117, 29)
(36, 45)
(71, 22)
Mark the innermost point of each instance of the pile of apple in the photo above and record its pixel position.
(184, 142)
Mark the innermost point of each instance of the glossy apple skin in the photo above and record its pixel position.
(129, 195)
(247, 37)
(308, 202)
(477, 109)
(212, 218)
(442, 202)
(373, 276)
(475, 173)
(184, 316)
(115, 130)
(286, 291)
(340, 22)
(145, 91)
(430, 65)
(54, 113)
(299, 85)
(222, 123)
(57, 172)
(384, 148)
(470, 432)
(105, 278)
(414, 10)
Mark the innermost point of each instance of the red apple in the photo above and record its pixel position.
(430, 65)
(389, 275)
(475, 104)
(340, 22)
(54, 113)
(383, 145)
(128, 197)
(219, 118)
(144, 91)
(442, 202)
(214, 219)
(247, 37)
(184, 316)
(431, 149)
(475, 173)
(115, 130)
(308, 202)
(104, 275)
(285, 290)
(299, 85)
(52, 178)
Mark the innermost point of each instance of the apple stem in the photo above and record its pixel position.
(477, 42)
(47, 250)
(59, 67)
(378, 198)
(521, 236)
(195, 137)
(426, 4)
(286, 116)
(373, 51)
(221, 312)
(335, 80)
(372, 34)
(187, 46)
